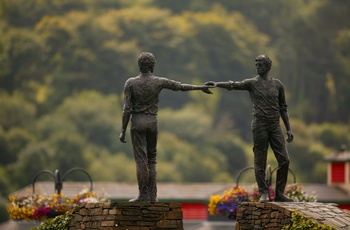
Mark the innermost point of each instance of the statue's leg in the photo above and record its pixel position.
(139, 142)
(152, 160)
(260, 139)
(278, 146)
(153, 182)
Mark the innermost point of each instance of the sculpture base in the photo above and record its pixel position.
(276, 215)
(127, 215)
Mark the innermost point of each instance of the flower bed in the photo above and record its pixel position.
(40, 207)
(227, 203)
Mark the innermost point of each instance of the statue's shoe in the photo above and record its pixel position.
(283, 198)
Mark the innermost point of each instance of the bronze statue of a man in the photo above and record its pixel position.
(141, 97)
(269, 104)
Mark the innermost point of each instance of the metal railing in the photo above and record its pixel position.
(57, 178)
(269, 173)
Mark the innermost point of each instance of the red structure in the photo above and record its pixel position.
(339, 168)
(195, 211)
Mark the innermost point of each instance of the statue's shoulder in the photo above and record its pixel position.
(251, 80)
(277, 81)
(254, 79)
(130, 80)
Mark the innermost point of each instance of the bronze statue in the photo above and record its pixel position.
(141, 97)
(269, 104)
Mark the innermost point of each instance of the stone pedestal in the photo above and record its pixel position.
(127, 215)
(275, 215)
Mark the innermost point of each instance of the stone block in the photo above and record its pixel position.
(275, 215)
(125, 215)
(173, 215)
(107, 223)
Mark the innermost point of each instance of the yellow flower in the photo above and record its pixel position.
(214, 199)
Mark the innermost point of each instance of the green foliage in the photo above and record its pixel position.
(187, 123)
(107, 167)
(332, 135)
(15, 111)
(190, 162)
(233, 148)
(12, 142)
(58, 223)
(63, 65)
(93, 115)
(3, 211)
(5, 184)
(302, 222)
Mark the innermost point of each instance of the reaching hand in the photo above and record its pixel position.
(206, 90)
(211, 83)
(122, 137)
(290, 136)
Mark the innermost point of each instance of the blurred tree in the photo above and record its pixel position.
(61, 151)
(21, 13)
(188, 124)
(94, 117)
(12, 142)
(22, 59)
(198, 165)
(111, 167)
(5, 183)
(341, 82)
(167, 172)
(332, 135)
(220, 42)
(233, 148)
(3, 209)
(68, 152)
(190, 163)
(305, 158)
(15, 111)
(44, 159)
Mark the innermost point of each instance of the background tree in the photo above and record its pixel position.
(63, 65)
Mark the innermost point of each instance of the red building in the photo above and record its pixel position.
(338, 174)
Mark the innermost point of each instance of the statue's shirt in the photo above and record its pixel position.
(267, 96)
(142, 93)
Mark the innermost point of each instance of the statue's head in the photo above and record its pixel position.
(266, 60)
(146, 62)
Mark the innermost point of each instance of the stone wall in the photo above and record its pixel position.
(275, 215)
(127, 215)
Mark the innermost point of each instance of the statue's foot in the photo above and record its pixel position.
(282, 198)
(139, 199)
(264, 197)
(154, 199)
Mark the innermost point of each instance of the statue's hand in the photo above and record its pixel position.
(211, 83)
(122, 137)
(206, 90)
(290, 136)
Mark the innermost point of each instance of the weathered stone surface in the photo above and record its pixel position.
(275, 215)
(176, 215)
(127, 215)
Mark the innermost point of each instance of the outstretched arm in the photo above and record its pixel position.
(204, 88)
(230, 85)
(225, 85)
